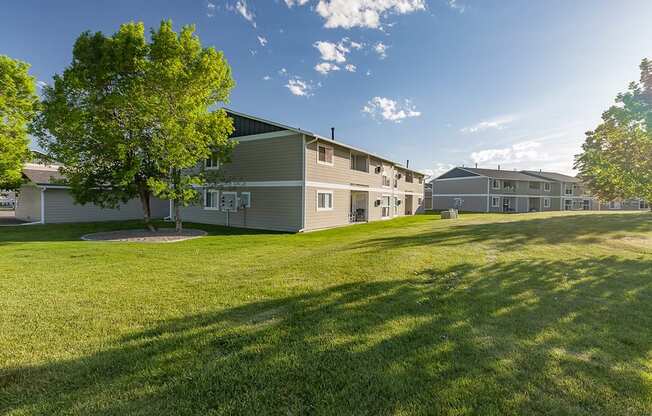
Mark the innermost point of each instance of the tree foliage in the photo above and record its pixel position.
(131, 117)
(616, 161)
(18, 103)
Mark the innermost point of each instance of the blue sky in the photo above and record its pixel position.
(439, 82)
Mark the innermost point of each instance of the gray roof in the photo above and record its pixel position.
(44, 176)
(504, 174)
(553, 176)
(315, 135)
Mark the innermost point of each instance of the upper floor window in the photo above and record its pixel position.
(569, 189)
(324, 155)
(386, 179)
(409, 178)
(546, 187)
(509, 186)
(495, 184)
(212, 163)
(535, 185)
(359, 162)
(420, 180)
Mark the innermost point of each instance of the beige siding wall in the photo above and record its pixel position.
(275, 159)
(28, 204)
(341, 180)
(61, 208)
(272, 208)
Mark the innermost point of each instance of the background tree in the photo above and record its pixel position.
(18, 103)
(127, 114)
(616, 161)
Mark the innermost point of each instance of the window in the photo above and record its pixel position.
(546, 187)
(211, 199)
(212, 163)
(396, 178)
(495, 201)
(535, 185)
(245, 200)
(324, 155)
(509, 186)
(409, 178)
(385, 206)
(420, 180)
(396, 204)
(546, 202)
(643, 204)
(569, 189)
(360, 162)
(495, 184)
(419, 201)
(385, 179)
(324, 200)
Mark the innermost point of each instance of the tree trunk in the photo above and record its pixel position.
(177, 214)
(147, 209)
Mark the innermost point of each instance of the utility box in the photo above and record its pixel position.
(450, 214)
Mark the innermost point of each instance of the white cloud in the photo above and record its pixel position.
(390, 110)
(332, 51)
(210, 9)
(291, 3)
(350, 67)
(497, 123)
(262, 40)
(299, 87)
(453, 4)
(242, 9)
(381, 49)
(266, 78)
(283, 72)
(40, 84)
(368, 73)
(527, 151)
(438, 169)
(363, 13)
(326, 67)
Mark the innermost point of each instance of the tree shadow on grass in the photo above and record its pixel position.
(585, 229)
(534, 337)
(74, 232)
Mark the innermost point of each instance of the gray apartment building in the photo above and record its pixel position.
(495, 190)
(288, 179)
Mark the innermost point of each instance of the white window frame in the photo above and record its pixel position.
(495, 202)
(388, 206)
(547, 187)
(212, 167)
(217, 199)
(546, 202)
(495, 184)
(325, 191)
(248, 199)
(385, 174)
(332, 162)
(235, 194)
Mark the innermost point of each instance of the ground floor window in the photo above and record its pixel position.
(643, 205)
(385, 205)
(245, 199)
(211, 199)
(495, 201)
(396, 204)
(568, 204)
(546, 202)
(324, 200)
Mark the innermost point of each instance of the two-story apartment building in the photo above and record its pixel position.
(285, 178)
(495, 190)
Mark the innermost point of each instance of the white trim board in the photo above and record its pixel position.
(387, 191)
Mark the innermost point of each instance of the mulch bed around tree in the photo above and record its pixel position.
(163, 235)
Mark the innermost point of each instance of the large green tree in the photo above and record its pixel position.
(132, 118)
(616, 161)
(18, 103)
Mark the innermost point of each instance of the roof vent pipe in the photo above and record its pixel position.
(498, 167)
(476, 165)
(407, 164)
(333, 133)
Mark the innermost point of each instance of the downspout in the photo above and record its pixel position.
(488, 191)
(304, 182)
(43, 205)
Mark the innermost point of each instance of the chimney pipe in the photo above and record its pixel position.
(498, 167)
(407, 164)
(476, 165)
(333, 133)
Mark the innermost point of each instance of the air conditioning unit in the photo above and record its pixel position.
(378, 169)
(377, 203)
(398, 202)
(399, 176)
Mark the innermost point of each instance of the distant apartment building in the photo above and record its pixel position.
(496, 190)
(630, 204)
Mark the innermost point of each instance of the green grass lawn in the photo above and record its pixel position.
(488, 315)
